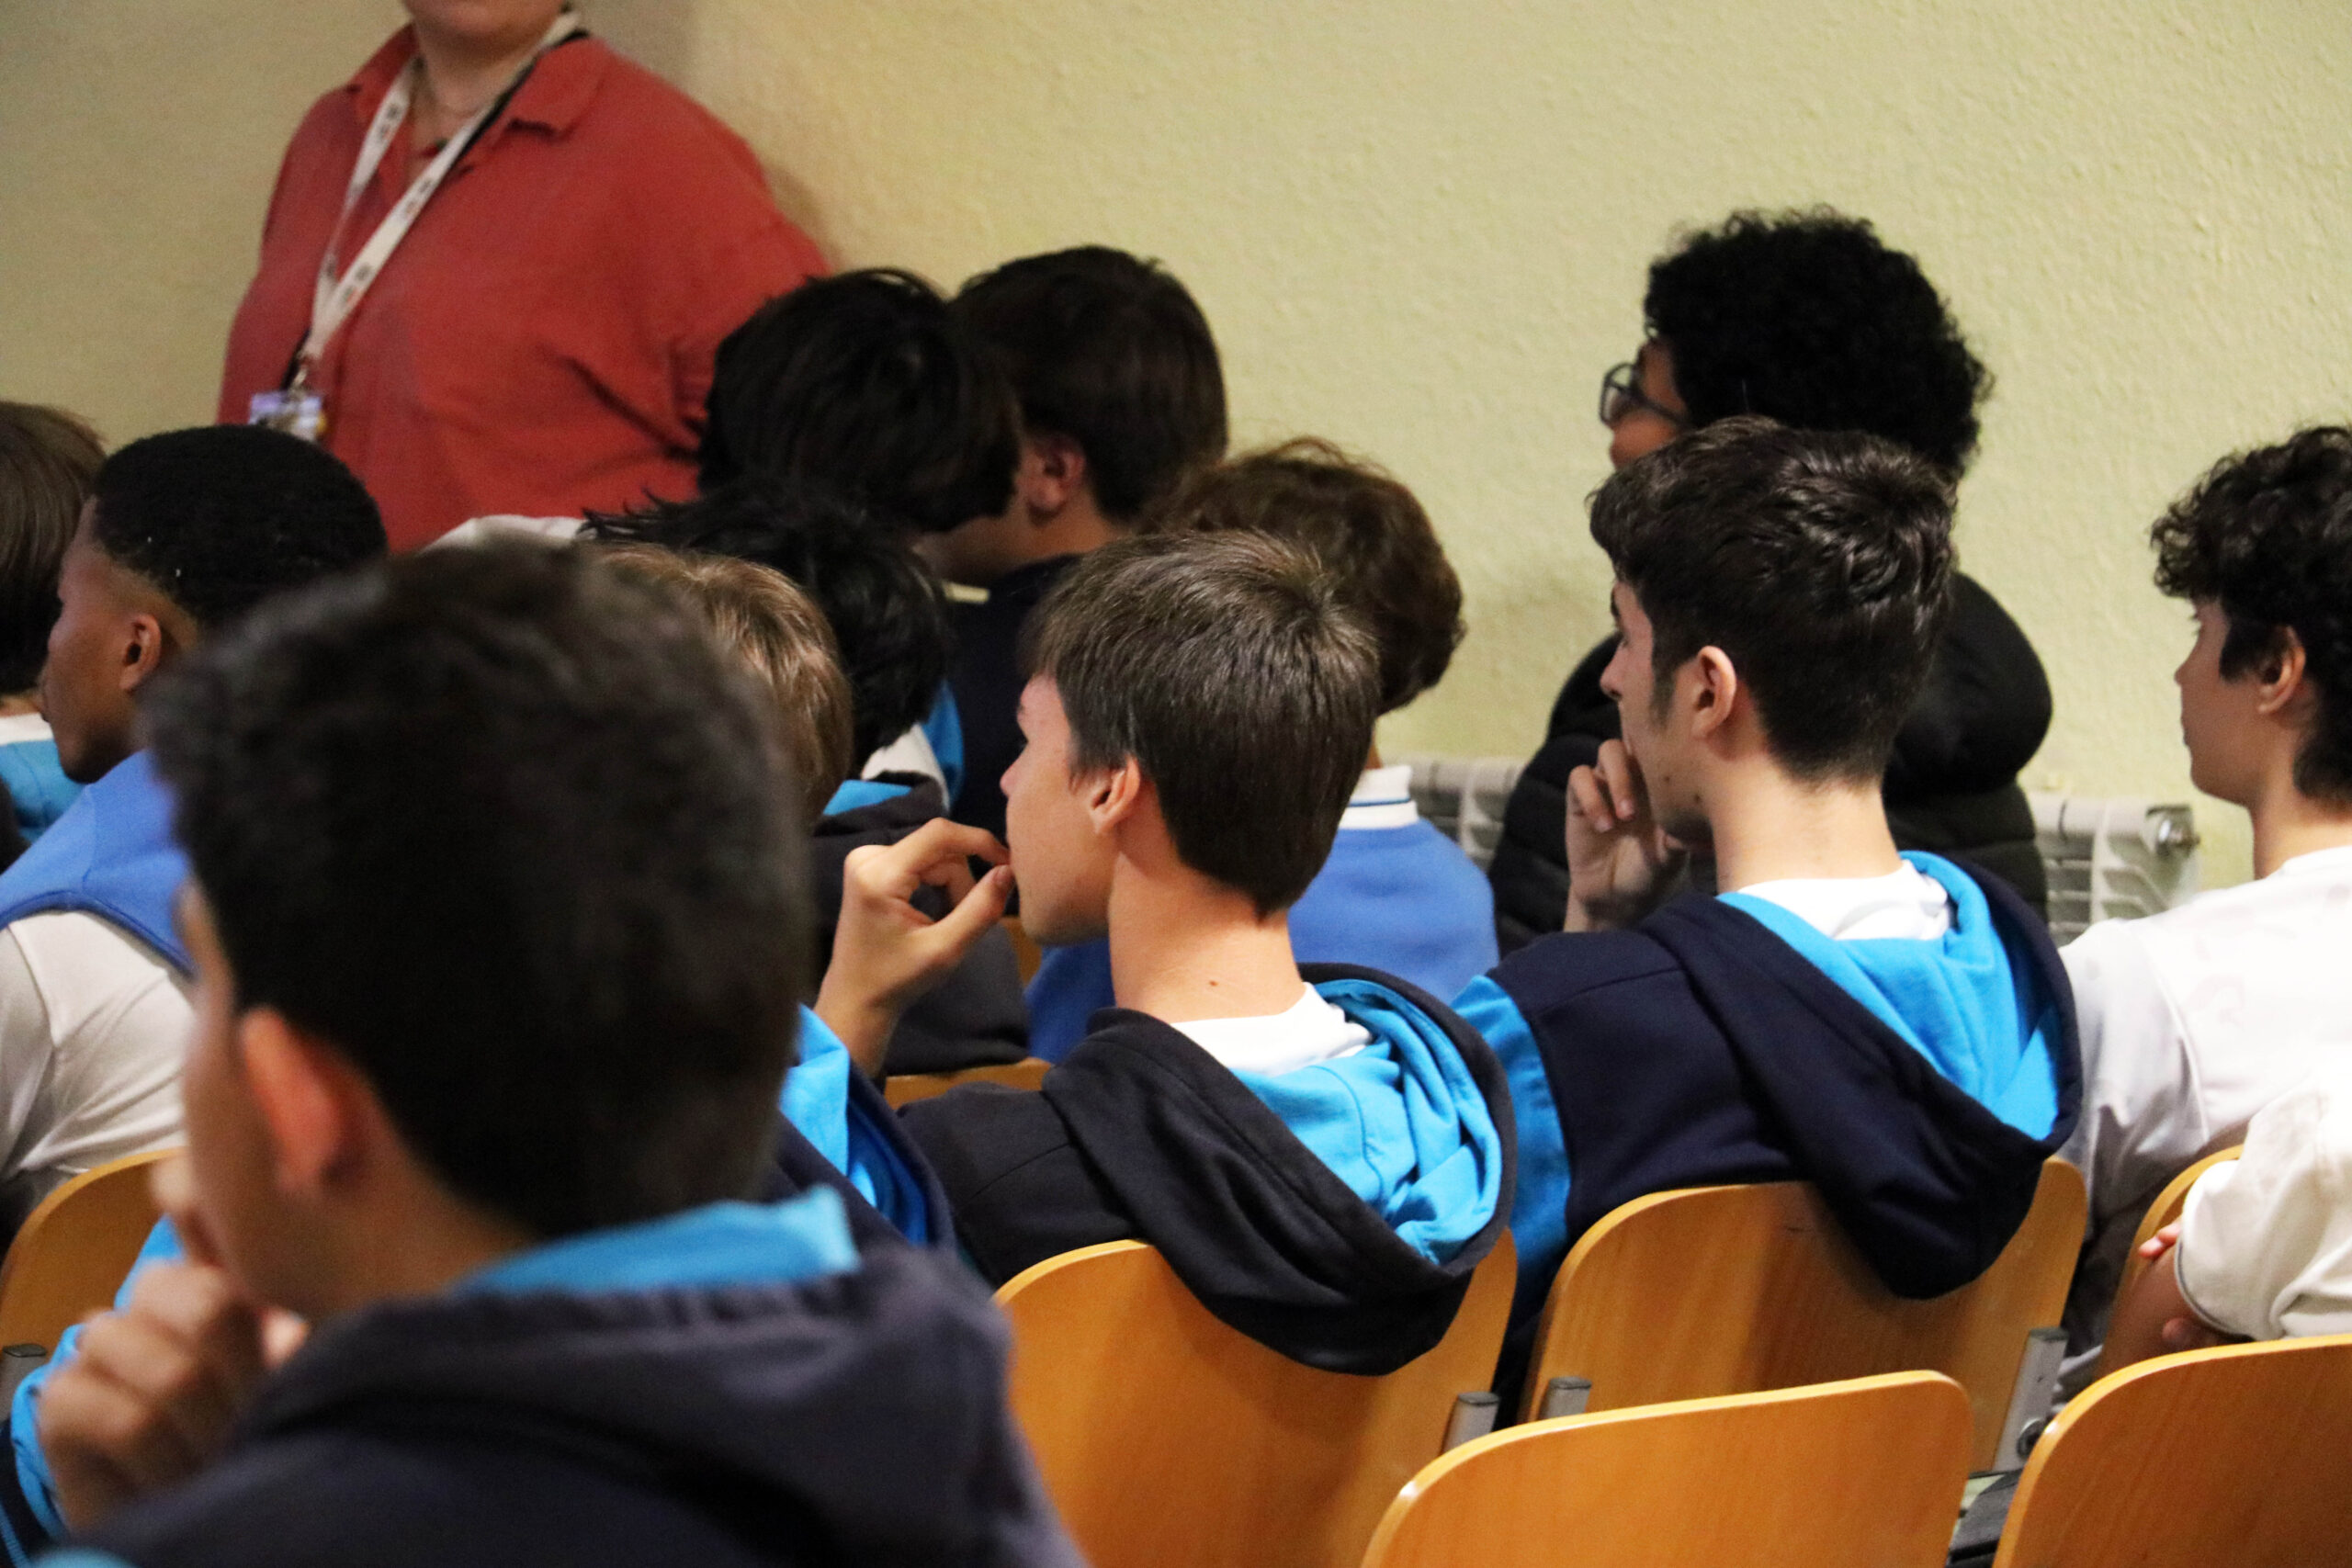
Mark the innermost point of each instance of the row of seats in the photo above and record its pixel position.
(1747, 1394)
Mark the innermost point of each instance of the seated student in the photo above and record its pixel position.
(1396, 894)
(183, 533)
(47, 461)
(1121, 394)
(2196, 1018)
(754, 612)
(1812, 320)
(864, 383)
(1891, 1028)
(889, 625)
(1323, 1155)
(497, 1159)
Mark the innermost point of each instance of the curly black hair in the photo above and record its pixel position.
(2267, 535)
(1809, 319)
(888, 613)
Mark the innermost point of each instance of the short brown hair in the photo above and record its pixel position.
(1368, 531)
(48, 459)
(757, 613)
(1229, 668)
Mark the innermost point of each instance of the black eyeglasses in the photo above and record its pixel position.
(1621, 394)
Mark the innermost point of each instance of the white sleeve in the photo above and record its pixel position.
(26, 1049)
(2142, 1120)
(2265, 1240)
(118, 1031)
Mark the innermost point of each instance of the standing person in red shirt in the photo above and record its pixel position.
(535, 336)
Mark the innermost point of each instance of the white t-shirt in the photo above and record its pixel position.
(1903, 905)
(2266, 1241)
(1309, 1031)
(2193, 1020)
(93, 1026)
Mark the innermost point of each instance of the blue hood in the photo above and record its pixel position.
(1402, 1122)
(110, 855)
(1976, 1011)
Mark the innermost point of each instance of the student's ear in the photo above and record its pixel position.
(144, 643)
(1714, 691)
(1052, 470)
(1114, 796)
(314, 1104)
(2280, 679)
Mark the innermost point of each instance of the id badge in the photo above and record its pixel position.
(301, 413)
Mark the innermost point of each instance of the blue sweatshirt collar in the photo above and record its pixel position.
(112, 855)
(718, 1245)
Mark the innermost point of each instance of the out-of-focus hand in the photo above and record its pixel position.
(887, 953)
(1621, 864)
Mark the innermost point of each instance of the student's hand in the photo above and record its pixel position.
(2180, 1332)
(1621, 864)
(886, 952)
(152, 1390)
(2164, 1241)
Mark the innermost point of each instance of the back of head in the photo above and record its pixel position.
(1365, 528)
(1820, 561)
(783, 641)
(1112, 352)
(889, 617)
(1226, 666)
(1809, 319)
(868, 383)
(505, 827)
(48, 459)
(2267, 535)
(219, 517)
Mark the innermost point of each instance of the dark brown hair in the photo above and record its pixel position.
(1820, 561)
(1366, 529)
(1111, 351)
(48, 459)
(760, 617)
(1226, 666)
(2267, 535)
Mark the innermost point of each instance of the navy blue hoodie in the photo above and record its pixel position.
(1709, 1045)
(1334, 1212)
(653, 1406)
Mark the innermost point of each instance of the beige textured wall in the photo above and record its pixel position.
(1420, 229)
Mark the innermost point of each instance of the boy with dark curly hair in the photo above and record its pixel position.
(1811, 320)
(2196, 1018)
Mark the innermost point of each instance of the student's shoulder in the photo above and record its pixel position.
(1568, 964)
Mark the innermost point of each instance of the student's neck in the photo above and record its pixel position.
(1183, 949)
(2287, 823)
(1073, 530)
(418, 1246)
(1771, 827)
(17, 702)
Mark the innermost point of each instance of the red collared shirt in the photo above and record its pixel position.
(541, 343)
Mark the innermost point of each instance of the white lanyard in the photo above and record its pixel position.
(333, 299)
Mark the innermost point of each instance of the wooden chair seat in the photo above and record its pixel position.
(1858, 1475)
(71, 1255)
(1718, 1290)
(1166, 1438)
(2240, 1455)
(905, 1088)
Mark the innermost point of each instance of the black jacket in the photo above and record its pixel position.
(1140, 1134)
(858, 1418)
(976, 1017)
(984, 675)
(1699, 1048)
(1951, 787)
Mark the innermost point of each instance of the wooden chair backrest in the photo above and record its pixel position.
(71, 1255)
(1736, 1290)
(905, 1088)
(1165, 1437)
(1027, 954)
(1858, 1475)
(2164, 1211)
(2240, 1455)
